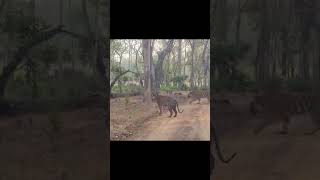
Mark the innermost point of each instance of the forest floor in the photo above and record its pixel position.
(267, 156)
(26, 151)
(137, 121)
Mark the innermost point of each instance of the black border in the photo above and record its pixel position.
(160, 159)
(163, 19)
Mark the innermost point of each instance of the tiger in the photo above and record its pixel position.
(170, 102)
(282, 106)
(198, 94)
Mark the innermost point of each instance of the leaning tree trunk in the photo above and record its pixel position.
(318, 55)
(262, 65)
(305, 56)
(204, 62)
(22, 52)
(158, 67)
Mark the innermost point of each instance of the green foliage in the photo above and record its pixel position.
(179, 81)
(125, 78)
(169, 88)
(116, 69)
(127, 88)
(184, 87)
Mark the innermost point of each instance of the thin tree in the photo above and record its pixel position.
(147, 70)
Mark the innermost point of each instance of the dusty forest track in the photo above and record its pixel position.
(142, 122)
(27, 152)
(269, 156)
(266, 156)
(192, 124)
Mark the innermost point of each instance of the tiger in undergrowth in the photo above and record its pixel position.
(281, 107)
(198, 94)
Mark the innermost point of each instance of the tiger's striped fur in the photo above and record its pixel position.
(198, 94)
(280, 106)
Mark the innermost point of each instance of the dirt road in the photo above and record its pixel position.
(271, 157)
(131, 119)
(192, 124)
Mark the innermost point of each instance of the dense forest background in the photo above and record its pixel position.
(173, 65)
(258, 41)
(47, 45)
(53, 77)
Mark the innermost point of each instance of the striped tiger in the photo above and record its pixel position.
(280, 106)
(198, 94)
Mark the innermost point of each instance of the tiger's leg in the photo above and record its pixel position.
(199, 100)
(193, 99)
(170, 111)
(160, 110)
(175, 111)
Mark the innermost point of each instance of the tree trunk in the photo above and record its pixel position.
(185, 58)
(263, 45)
(60, 49)
(119, 81)
(102, 57)
(147, 70)
(86, 18)
(130, 48)
(179, 58)
(205, 66)
(192, 43)
(237, 40)
(318, 55)
(305, 58)
(284, 52)
(220, 23)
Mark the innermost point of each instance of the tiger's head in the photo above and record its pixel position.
(190, 94)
